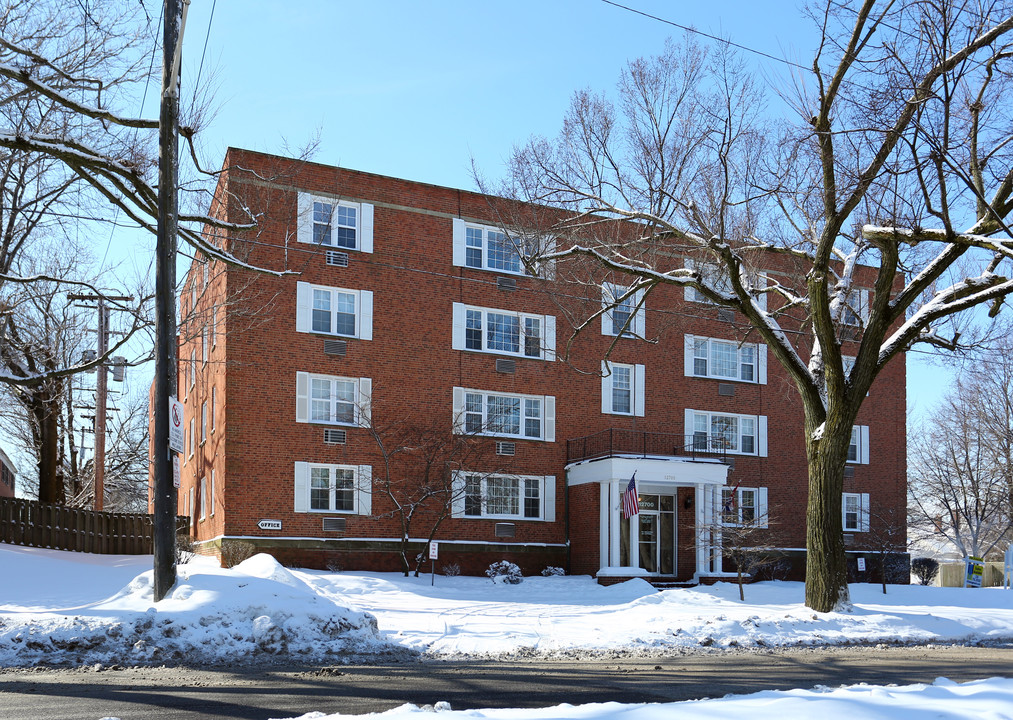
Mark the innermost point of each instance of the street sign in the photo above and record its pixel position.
(175, 471)
(269, 524)
(434, 550)
(175, 425)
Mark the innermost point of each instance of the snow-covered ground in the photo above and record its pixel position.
(73, 608)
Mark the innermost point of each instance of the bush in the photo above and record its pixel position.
(505, 572)
(925, 569)
(185, 549)
(235, 551)
(553, 571)
(451, 570)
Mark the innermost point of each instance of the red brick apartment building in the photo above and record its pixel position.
(409, 312)
(7, 475)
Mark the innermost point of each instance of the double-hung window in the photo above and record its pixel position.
(335, 223)
(744, 506)
(334, 311)
(725, 360)
(855, 312)
(623, 311)
(485, 247)
(331, 400)
(622, 389)
(479, 412)
(328, 488)
(716, 278)
(858, 448)
(727, 432)
(504, 497)
(504, 332)
(855, 512)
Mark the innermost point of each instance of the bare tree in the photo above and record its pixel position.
(887, 538)
(961, 476)
(884, 203)
(744, 533)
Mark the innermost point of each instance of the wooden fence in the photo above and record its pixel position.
(27, 522)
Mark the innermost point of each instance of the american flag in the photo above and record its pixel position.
(630, 505)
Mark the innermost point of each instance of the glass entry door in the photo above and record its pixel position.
(654, 542)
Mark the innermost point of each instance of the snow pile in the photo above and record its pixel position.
(211, 616)
(943, 699)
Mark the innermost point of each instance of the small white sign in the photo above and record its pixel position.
(175, 425)
(434, 550)
(861, 564)
(269, 524)
(175, 471)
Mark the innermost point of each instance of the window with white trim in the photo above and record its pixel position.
(203, 422)
(855, 512)
(203, 498)
(715, 277)
(727, 432)
(725, 360)
(858, 448)
(193, 368)
(193, 431)
(486, 247)
(335, 223)
(504, 497)
(205, 345)
(214, 326)
(331, 400)
(744, 506)
(334, 311)
(331, 488)
(214, 406)
(480, 412)
(622, 389)
(624, 313)
(855, 312)
(211, 496)
(503, 332)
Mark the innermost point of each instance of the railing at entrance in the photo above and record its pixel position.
(615, 441)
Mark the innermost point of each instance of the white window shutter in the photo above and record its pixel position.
(761, 364)
(549, 421)
(457, 494)
(457, 333)
(863, 443)
(460, 235)
(687, 429)
(606, 387)
(761, 284)
(549, 339)
(639, 324)
(865, 298)
(688, 358)
(761, 432)
(365, 402)
(547, 270)
(302, 397)
(365, 315)
(638, 392)
(364, 490)
(303, 307)
(607, 298)
(302, 487)
(304, 218)
(864, 522)
(761, 506)
(549, 493)
(459, 409)
(366, 228)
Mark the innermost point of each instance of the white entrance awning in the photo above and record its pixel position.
(651, 470)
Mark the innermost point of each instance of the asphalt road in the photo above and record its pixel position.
(262, 693)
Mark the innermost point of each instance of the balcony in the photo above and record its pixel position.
(634, 443)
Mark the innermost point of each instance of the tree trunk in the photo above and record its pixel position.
(47, 419)
(826, 586)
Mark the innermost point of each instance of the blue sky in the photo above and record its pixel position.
(420, 90)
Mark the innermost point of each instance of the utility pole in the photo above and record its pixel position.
(101, 390)
(164, 499)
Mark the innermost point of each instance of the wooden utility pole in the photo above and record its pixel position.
(164, 499)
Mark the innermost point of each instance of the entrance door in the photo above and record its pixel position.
(654, 542)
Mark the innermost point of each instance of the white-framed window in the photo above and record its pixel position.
(855, 312)
(193, 431)
(504, 497)
(858, 448)
(204, 272)
(727, 432)
(205, 345)
(214, 326)
(328, 488)
(203, 422)
(623, 312)
(622, 389)
(725, 360)
(203, 498)
(335, 223)
(193, 368)
(334, 311)
(332, 400)
(192, 504)
(855, 512)
(211, 495)
(503, 332)
(715, 277)
(214, 406)
(481, 412)
(486, 247)
(744, 506)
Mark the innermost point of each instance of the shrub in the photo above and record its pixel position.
(235, 551)
(505, 572)
(925, 569)
(553, 571)
(185, 549)
(451, 569)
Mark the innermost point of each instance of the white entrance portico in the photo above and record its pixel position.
(647, 544)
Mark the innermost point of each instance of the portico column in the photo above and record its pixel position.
(700, 506)
(613, 511)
